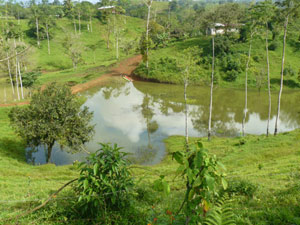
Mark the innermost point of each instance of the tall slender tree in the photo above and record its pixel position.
(287, 9)
(264, 12)
(47, 21)
(246, 80)
(211, 88)
(35, 10)
(252, 27)
(148, 4)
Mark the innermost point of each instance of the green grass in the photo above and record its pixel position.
(20, 181)
(58, 66)
(166, 72)
(58, 60)
(270, 164)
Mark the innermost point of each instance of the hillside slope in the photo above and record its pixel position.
(165, 63)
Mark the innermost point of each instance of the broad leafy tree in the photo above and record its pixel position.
(53, 116)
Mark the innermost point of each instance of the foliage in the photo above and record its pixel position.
(221, 213)
(223, 45)
(73, 49)
(241, 187)
(30, 78)
(288, 71)
(162, 185)
(204, 175)
(273, 46)
(232, 66)
(144, 44)
(54, 115)
(104, 181)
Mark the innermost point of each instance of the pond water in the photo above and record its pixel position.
(140, 115)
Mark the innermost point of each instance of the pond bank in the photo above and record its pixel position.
(126, 66)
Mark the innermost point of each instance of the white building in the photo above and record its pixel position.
(219, 28)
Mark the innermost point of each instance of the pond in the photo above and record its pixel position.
(138, 116)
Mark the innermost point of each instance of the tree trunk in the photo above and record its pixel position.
(49, 151)
(37, 31)
(147, 33)
(211, 88)
(91, 25)
(246, 87)
(17, 80)
(108, 35)
(282, 68)
(18, 17)
(269, 85)
(20, 77)
(75, 27)
(79, 23)
(117, 45)
(47, 32)
(10, 76)
(186, 111)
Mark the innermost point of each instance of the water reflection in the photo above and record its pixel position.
(139, 115)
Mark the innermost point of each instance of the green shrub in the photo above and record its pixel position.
(223, 45)
(273, 46)
(257, 58)
(104, 182)
(241, 187)
(231, 66)
(288, 71)
(231, 75)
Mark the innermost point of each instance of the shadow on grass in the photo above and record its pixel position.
(12, 148)
(288, 83)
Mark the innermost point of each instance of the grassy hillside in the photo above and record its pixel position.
(164, 63)
(263, 176)
(58, 65)
(58, 60)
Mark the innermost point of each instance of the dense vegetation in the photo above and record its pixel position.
(178, 32)
(262, 177)
(241, 180)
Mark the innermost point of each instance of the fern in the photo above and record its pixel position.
(221, 214)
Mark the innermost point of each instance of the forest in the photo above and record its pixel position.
(150, 112)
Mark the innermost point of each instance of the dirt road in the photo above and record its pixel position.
(127, 66)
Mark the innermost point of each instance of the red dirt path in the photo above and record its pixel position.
(127, 66)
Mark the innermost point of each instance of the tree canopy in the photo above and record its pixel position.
(54, 115)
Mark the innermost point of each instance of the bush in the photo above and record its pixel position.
(288, 71)
(273, 46)
(241, 187)
(231, 65)
(257, 58)
(231, 75)
(104, 182)
(222, 45)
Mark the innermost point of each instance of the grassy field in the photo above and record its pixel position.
(163, 63)
(58, 65)
(263, 176)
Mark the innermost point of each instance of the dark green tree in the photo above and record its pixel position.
(54, 115)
